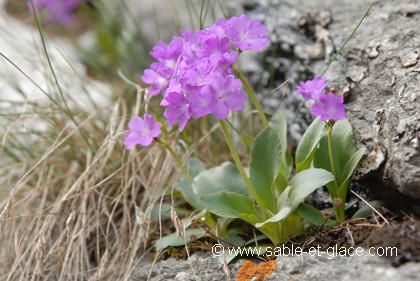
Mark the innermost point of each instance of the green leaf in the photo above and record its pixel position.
(308, 144)
(352, 164)
(279, 124)
(282, 180)
(366, 210)
(223, 178)
(194, 166)
(346, 157)
(266, 155)
(250, 218)
(343, 149)
(164, 210)
(247, 140)
(301, 186)
(281, 183)
(283, 205)
(256, 240)
(172, 240)
(306, 182)
(314, 216)
(228, 204)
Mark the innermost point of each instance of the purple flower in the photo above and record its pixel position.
(330, 107)
(312, 89)
(225, 94)
(194, 72)
(200, 104)
(158, 80)
(191, 43)
(141, 131)
(246, 34)
(168, 54)
(178, 109)
(196, 76)
(57, 10)
(215, 49)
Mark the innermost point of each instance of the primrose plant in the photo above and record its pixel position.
(195, 75)
(335, 151)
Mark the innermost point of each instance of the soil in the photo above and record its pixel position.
(399, 230)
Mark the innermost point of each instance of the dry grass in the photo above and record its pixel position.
(69, 213)
(74, 204)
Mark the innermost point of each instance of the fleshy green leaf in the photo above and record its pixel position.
(250, 218)
(223, 178)
(346, 156)
(266, 155)
(228, 204)
(283, 205)
(306, 182)
(352, 164)
(314, 216)
(303, 184)
(247, 140)
(282, 180)
(308, 144)
(163, 211)
(366, 210)
(194, 166)
(343, 149)
(172, 240)
(279, 124)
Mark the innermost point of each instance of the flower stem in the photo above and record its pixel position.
(338, 208)
(252, 96)
(330, 153)
(235, 156)
(177, 160)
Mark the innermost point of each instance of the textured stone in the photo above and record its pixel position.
(391, 86)
(289, 268)
(323, 267)
(380, 67)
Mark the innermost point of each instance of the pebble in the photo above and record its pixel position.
(410, 59)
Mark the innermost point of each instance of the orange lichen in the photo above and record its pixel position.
(250, 270)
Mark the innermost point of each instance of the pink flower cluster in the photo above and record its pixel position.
(194, 72)
(328, 106)
(57, 10)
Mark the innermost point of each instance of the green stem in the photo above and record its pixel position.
(238, 162)
(252, 96)
(330, 153)
(338, 208)
(177, 160)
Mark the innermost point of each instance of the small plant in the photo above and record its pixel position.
(337, 151)
(196, 75)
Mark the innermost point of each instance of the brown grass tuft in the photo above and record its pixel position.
(75, 214)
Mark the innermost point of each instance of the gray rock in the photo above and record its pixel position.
(380, 65)
(289, 268)
(198, 267)
(389, 83)
(323, 267)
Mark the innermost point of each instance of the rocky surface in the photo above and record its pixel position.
(292, 268)
(379, 72)
(324, 267)
(197, 267)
